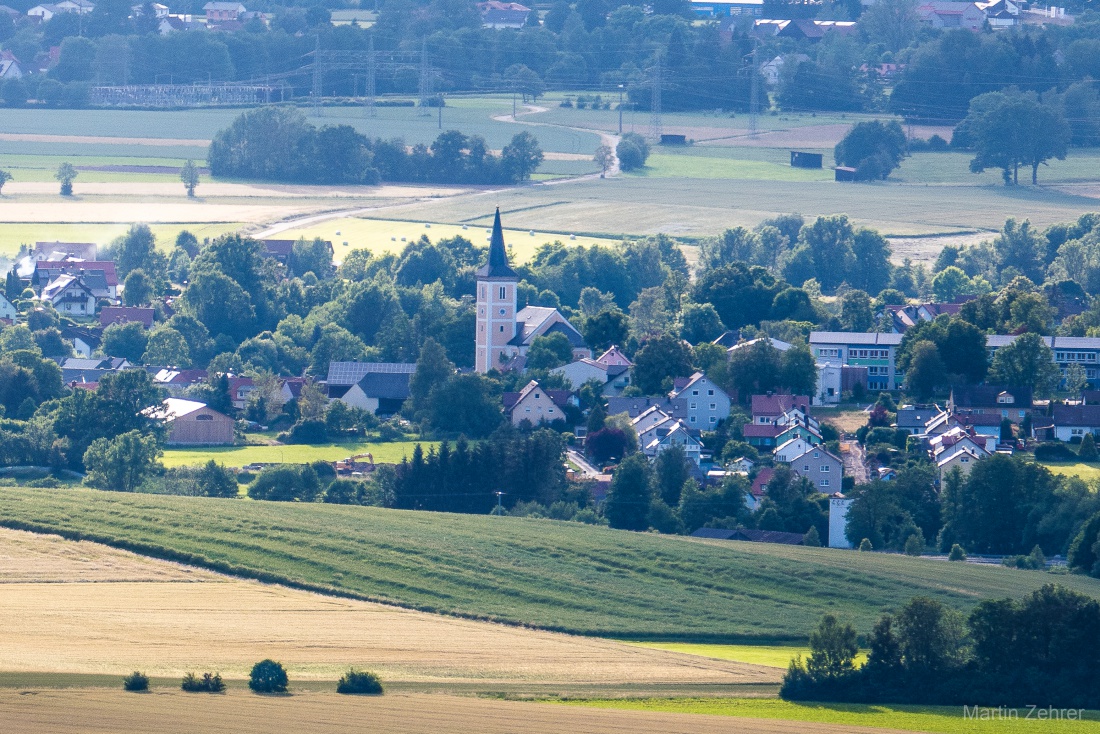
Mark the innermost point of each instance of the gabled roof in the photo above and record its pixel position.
(760, 484)
(962, 450)
(560, 398)
(172, 376)
(347, 374)
(385, 385)
(987, 396)
(819, 450)
(78, 267)
(173, 408)
(121, 314)
(497, 265)
(1077, 416)
(613, 355)
(60, 284)
(531, 322)
(777, 405)
(765, 430)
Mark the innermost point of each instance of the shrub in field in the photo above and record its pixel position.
(268, 676)
(359, 681)
(914, 545)
(957, 553)
(1054, 451)
(136, 681)
(206, 684)
(865, 545)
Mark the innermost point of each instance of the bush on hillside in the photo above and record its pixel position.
(359, 682)
(1087, 451)
(957, 553)
(268, 676)
(632, 152)
(136, 681)
(865, 545)
(208, 683)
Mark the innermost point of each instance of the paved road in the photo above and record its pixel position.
(588, 469)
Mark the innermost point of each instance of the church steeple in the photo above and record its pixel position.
(497, 266)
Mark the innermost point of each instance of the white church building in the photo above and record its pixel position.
(503, 332)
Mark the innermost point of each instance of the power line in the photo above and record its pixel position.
(754, 97)
(371, 71)
(425, 81)
(317, 78)
(655, 102)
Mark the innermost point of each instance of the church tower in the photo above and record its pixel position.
(496, 304)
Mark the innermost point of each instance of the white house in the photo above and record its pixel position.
(965, 459)
(69, 295)
(613, 357)
(534, 405)
(7, 311)
(1072, 422)
(614, 378)
(677, 435)
(792, 449)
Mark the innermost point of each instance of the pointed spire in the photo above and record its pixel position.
(497, 267)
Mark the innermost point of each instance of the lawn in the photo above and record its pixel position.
(553, 575)
(384, 453)
(383, 235)
(945, 719)
(1088, 472)
(670, 165)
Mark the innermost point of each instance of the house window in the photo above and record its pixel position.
(483, 293)
(714, 406)
(817, 455)
(550, 411)
(503, 292)
(824, 468)
(694, 406)
(966, 460)
(692, 419)
(713, 419)
(824, 483)
(806, 467)
(204, 417)
(710, 392)
(694, 392)
(502, 328)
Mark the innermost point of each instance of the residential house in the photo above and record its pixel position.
(219, 12)
(797, 430)
(7, 310)
(57, 251)
(1013, 403)
(965, 459)
(635, 406)
(99, 276)
(191, 423)
(9, 66)
(381, 393)
(707, 403)
(501, 332)
(85, 340)
(342, 376)
(613, 357)
(125, 314)
(771, 70)
(913, 419)
(770, 408)
(89, 370)
(70, 296)
(761, 436)
(497, 15)
(650, 426)
(958, 439)
(792, 449)
(278, 249)
(945, 14)
(777, 343)
(159, 10)
(708, 9)
(804, 29)
(1072, 422)
(533, 405)
(647, 419)
(742, 464)
(876, 352)
(759, 487)
(677, 435)
(614, 378)
(902, 318)
(821, 467)
(175, 381)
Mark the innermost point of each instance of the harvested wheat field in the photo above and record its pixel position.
(109, 712)
(97, 610)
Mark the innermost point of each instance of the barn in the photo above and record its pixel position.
(191, 423)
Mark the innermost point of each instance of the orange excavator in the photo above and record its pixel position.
(358, 464)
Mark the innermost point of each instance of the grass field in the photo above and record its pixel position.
(773, 656)
(380, 236)
(12, 235)
(546, 574)
(1088, 472)
(948, 720)
(384, 453)
(102, 611)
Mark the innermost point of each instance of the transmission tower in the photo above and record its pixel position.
(371, 70)
(754, 98)
(655, 103)
(317, 78)
(425, 81)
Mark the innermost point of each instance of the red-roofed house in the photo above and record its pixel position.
(769, 408)
(124, 314)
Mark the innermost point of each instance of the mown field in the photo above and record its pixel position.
(773, 656)
(1088, 472)
(237, 456)
(945, 719)
(45, 711)
(557, 576)
(380, 236)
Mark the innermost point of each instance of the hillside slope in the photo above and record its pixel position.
(551, 575)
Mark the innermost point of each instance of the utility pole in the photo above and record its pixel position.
(500, 508)
(513, 102)
(425, 80)
(754, 98)
(439, 104)
(370, 75)
(621, 86)
(317, 78)
(655, 102)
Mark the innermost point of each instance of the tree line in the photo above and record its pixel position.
(1042, 651)
(278, 144)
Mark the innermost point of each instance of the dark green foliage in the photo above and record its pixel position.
(661, 359)
(344, 492)
(359, 682)
(1044, 647)
(286, 483)
(628, 500)
(209, 480)
(957, 553)
(268, 676)
(632, 151)
(792, 504)
(1087, 451)
(1084, 553)
(812, 538)
(464, 404)
(873, 148)
(865, 545)
(208, 683)
(670, 470)
(136, 682)
(1054, 451)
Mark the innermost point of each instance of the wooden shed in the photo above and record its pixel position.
(845, 173)
(191, 423)
(802, 159)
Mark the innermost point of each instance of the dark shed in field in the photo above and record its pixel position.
(845, 173)
(801, 159)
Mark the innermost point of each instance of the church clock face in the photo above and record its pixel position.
(502, 312)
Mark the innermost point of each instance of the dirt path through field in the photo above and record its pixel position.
(237, 712)
(606, 138)
(97, 610)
